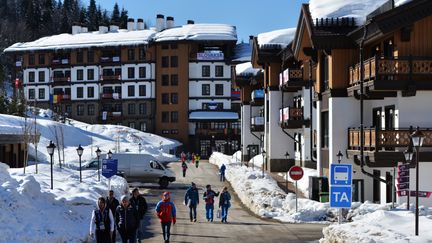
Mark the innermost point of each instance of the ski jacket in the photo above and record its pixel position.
(140, 205)
(191, 197)
(102, 221)
(224, 199)
(166, 211)
(209, 196)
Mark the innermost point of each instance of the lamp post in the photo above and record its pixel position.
(417, 139)
(286, 177)
(408, 159)
(264, 158)
(110, 154)
(340, 156)
(50, 149)
(139, 147)
(80, 151)
(98, 153)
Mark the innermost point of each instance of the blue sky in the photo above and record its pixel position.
(250, 16)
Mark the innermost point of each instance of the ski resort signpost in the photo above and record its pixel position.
(340, 187)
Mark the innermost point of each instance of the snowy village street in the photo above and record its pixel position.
(242, 224)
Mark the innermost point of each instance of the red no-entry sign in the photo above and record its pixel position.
(296, 173)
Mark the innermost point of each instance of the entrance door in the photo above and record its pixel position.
(376, 118)
(389, 121)
(358, 190)
(389, 188)
(376, 187)
(205, 149)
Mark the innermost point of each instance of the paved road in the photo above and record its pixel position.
(242, 224)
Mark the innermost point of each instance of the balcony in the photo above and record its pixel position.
(214, 131)
(109, 60)
(257, 97)
(60, 81)
(111, 96)
(380, 146)
(110, 78)
(291, 80)
(60, 62)
(111, 116)
(292, 118)
(391, 74)
(257, 124)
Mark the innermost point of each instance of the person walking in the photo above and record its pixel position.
(126, 221)
(224, 203)
(102, 222)
(222, 172)
(184, 168)
(166, 212)
(112, 203)
(193, 158)
(139, 203)
(197, 160)
(183, 156)
(208, 197)
(192, 200)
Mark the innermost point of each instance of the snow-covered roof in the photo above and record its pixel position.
(277, 37)
(214, 115)
(84, 40)
(242, 53)
(198, 32)
(246, 69)
(346, 8)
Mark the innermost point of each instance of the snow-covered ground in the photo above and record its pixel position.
(364, 222)
(32, 212)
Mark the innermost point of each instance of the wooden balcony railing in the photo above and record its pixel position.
(61, 79)
(60, 61)
(290, 74)
(375, 139)
(290, 113)
(108, 59)
(110, 77)
(386, 68)
(111, 96)
(225, 131)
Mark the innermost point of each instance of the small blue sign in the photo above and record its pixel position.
(340, 196)
(109, 167)
(341, 174)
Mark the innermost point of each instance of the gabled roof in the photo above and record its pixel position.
(242, 53)
(198, 32)
(267, 46)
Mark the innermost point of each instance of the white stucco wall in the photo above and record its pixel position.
(247, 138)
(195, 70)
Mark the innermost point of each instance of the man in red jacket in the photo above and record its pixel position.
(166, 212)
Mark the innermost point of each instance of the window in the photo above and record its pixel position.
(131, 109)
(80, 110)
(142, 109)
(80, 74)
(174, 79)
(174, 61)
(142, 72)
(205, 89)
(90, 56)
(131, 90)
(219, 71)
(165, 116)
(90, 74)
(165, 80)
(41, 75)
(118, 107)
(80, 92)
(31, 77)
(31, 94)
(143, 126)
(174, 46)
(117, 89)
(165, 62)
(165, 47)
(141, 55)
(132, 125)
(31, 59)
(325, 130)
(219, 89)
(142, 90)
(174, 98)
(79, 56)
(131, 72)
(174, 116)
(41, 59)
(41, 94)
(67, 91)
(131, 54)
(91, 110)
(165, 98)
(58, 91)
(206, 71)
(90, 92)
(68, 109)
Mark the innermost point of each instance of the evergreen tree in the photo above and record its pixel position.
(3, 104)
(83, 16)
(92, 17)
(123, 18)
(115, 17)
(47, 17)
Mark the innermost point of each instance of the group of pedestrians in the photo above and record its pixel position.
(125, 217)
(194, 158)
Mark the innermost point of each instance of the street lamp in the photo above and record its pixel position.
(50, 149)
(139, 147)
(98, 153)
(417, 139)
(80, 151)
(263, 154)
(340, 156)
(286, 178)
(408, 159)
(110, 154)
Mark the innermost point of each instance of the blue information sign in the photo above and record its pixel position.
(109, 167)
(340, 196)
(340, 185)
(341, 174)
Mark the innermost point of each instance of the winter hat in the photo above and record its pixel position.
(124, 197)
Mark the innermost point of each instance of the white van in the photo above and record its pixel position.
(143, 168)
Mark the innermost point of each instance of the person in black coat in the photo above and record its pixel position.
(112, 203)
(140, 205)
(126, 220)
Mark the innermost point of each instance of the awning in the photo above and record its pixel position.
(213, 115)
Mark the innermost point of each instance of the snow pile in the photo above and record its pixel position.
(279, 38)
(246, 69)
(198, 32)
(346, 8)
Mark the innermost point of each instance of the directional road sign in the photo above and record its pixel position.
(109, 167)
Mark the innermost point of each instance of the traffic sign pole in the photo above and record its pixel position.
(296, 196)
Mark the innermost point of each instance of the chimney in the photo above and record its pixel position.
(160, 25)
(140, 24)
(131, 24)
(76, 28)
(169, 22)
(84, 29)
(103, 29)
(190, 21)
(251, 37)
(114, 27)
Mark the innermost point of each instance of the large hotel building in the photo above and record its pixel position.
(174, 81)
